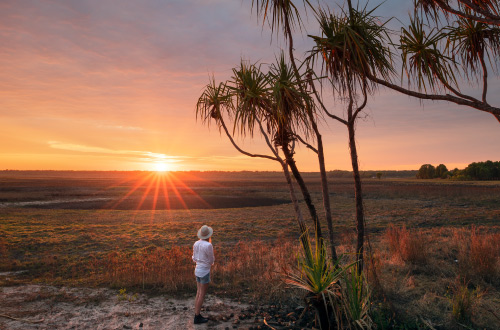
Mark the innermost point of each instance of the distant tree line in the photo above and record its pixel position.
(374, 174)
(487, 170)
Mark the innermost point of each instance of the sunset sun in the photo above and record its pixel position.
(161, 167)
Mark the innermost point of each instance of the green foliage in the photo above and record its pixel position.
(356, 295)
(441, 171)
(426, 171)
(462, 301)
(487, 170)
(422, 60)
(124, 296)
(483, 171)
(352, 47)
(471, 41)
(320, 277)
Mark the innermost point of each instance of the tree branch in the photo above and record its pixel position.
(488, 19)
(480, 10)
(362, 106)
(241, 150)
(435, 97)
(485, 76)
(322, 105)
(305, 143)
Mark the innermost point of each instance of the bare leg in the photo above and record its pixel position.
(200, 296)
(197, 297)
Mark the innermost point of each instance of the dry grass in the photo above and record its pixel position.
(478, 253)
(416, 260)
(405, 246)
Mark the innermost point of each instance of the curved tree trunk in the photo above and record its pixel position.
(358, 193)
(321, 158)
(326, 196)
(303, 188)
(296, 207)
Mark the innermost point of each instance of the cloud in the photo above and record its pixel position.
(145, 156)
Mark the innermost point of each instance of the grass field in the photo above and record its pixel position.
(430, 239)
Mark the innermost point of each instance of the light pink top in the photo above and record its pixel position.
(203, 255)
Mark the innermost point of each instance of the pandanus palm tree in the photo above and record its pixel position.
(284, 15)
(218, 102)
(432, 58)
(350, 49)
(274, 100)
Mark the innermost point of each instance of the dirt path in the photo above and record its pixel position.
(48, 307)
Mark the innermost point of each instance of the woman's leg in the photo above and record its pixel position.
(197, 311)
(200, 296)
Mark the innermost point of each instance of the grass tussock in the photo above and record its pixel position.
(478, 253)
(409, 247)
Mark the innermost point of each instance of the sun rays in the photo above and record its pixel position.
(156, 190)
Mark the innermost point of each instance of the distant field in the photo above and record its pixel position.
(95, 228)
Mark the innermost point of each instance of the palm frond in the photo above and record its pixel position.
(471, 41)
(277, 12)
(423, 62)
(353, 46)
(289, 116)
(251, 89)
(213, 102)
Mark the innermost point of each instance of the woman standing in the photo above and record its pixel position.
(203, 255)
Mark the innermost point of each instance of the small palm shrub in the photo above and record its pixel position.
(320, 278)
(356, 299)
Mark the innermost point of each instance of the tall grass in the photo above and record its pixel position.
(252, 268)
(478, 253)
(410, 247)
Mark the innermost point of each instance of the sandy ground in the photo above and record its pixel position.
(48, 307)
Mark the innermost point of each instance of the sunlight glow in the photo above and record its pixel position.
(161, 167)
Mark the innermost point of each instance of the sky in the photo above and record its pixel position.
(112, 85)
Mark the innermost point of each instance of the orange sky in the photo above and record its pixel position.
(93, 85)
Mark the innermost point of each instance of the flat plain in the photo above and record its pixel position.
(134, 230)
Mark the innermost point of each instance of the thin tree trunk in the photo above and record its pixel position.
(358, 193)
(321, 159)
(326, 196)
(303, 188)
(293, 197)
(296, 207)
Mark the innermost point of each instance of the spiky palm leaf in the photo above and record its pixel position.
(278, 12)
(288, 114)
(253, 97)
(423, 62)
(352, 47)
(213, 102)
(471, 41)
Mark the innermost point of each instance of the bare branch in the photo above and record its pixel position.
(241, 150)
(305, 143)
(487, 19)
(362, 106)
(485, 77)
(435, 97)
(318, 98)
